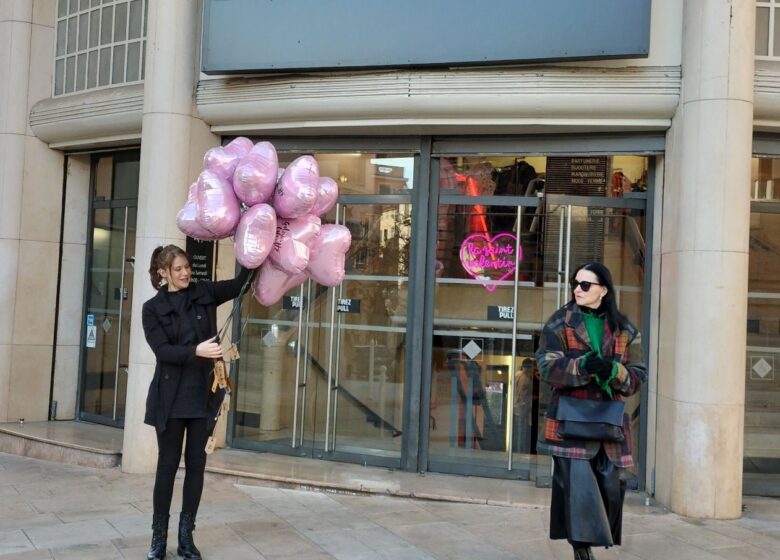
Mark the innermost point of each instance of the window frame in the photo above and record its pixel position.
(92, 54)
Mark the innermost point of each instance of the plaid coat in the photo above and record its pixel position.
(560, 357)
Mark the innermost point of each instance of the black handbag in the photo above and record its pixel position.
(587, 419)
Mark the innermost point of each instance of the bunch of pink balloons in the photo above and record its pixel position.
(273, 214)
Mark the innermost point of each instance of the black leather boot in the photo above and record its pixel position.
(159, 537)
(584, 553)
(187, 548)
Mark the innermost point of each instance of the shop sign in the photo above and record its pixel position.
(490, 259)
(202, 255)
(242, 36)
(293, 302)
(348, 305)
(91, 340)
(500, 313)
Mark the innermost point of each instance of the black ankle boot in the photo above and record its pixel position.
(584, 553)
(187, 548)
(159, 537)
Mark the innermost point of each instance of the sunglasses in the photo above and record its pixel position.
(584, 285)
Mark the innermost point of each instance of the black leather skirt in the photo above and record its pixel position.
(587, 501)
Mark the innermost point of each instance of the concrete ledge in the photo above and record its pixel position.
(63, 442)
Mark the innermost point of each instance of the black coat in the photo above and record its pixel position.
(162, 330)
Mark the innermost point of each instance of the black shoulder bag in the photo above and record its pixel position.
(588, 419)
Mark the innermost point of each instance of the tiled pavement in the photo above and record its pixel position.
(52, 510)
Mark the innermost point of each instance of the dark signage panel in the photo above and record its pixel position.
(293, 302)
(500, 313)
(267, 35)
(202, 255)
(347, 305)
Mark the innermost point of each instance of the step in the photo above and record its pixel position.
(762, 442)
(755, 484)
(762, 418)
(73, 443)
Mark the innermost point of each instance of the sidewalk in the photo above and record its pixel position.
(52, 510)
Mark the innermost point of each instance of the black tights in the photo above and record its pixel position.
(169, 444)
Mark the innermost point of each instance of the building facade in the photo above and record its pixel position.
(658, 163)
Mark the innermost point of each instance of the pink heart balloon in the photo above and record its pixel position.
(218, 208)
(254, 179)
(271, 283)
(240, 146)
(296, 193)
(327, 194)
(328, 251)
(255, 235)
(293, 239)
(187, 217)
(221, 161)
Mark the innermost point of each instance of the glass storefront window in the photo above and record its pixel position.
(322, 371)
(331, 384)
(364, 173)
(762, 378)
(573, 211)
(765, 179)
(608, 176)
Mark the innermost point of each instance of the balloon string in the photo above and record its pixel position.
(236, 302)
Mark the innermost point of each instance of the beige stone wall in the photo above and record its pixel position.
(31, 194)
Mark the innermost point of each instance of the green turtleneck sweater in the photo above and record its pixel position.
(594, 325)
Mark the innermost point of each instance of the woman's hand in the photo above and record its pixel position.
(598, 366)
(209, 349)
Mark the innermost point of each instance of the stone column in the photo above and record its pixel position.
(173, 141)
(30, 204)
(704, 265)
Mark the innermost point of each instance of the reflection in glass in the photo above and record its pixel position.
(364, 173)
(765, 179)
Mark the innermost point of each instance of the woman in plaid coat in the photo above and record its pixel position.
(589, 350)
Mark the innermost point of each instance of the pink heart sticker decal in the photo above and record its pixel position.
(490, 260)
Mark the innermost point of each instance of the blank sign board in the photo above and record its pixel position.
(241, 36)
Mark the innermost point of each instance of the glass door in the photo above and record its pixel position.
(579, 230)
(761, 459)
(109, 289)
(506, 245)
(322, 372)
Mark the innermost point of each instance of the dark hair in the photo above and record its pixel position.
(163, 257)
(615, 319)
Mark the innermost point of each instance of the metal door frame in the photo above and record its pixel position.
(126, 203)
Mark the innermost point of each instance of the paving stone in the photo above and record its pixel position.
(87, 552)
(14, 540)
(66, 535)
(29, 555)
(664, 547)
(746, 553)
